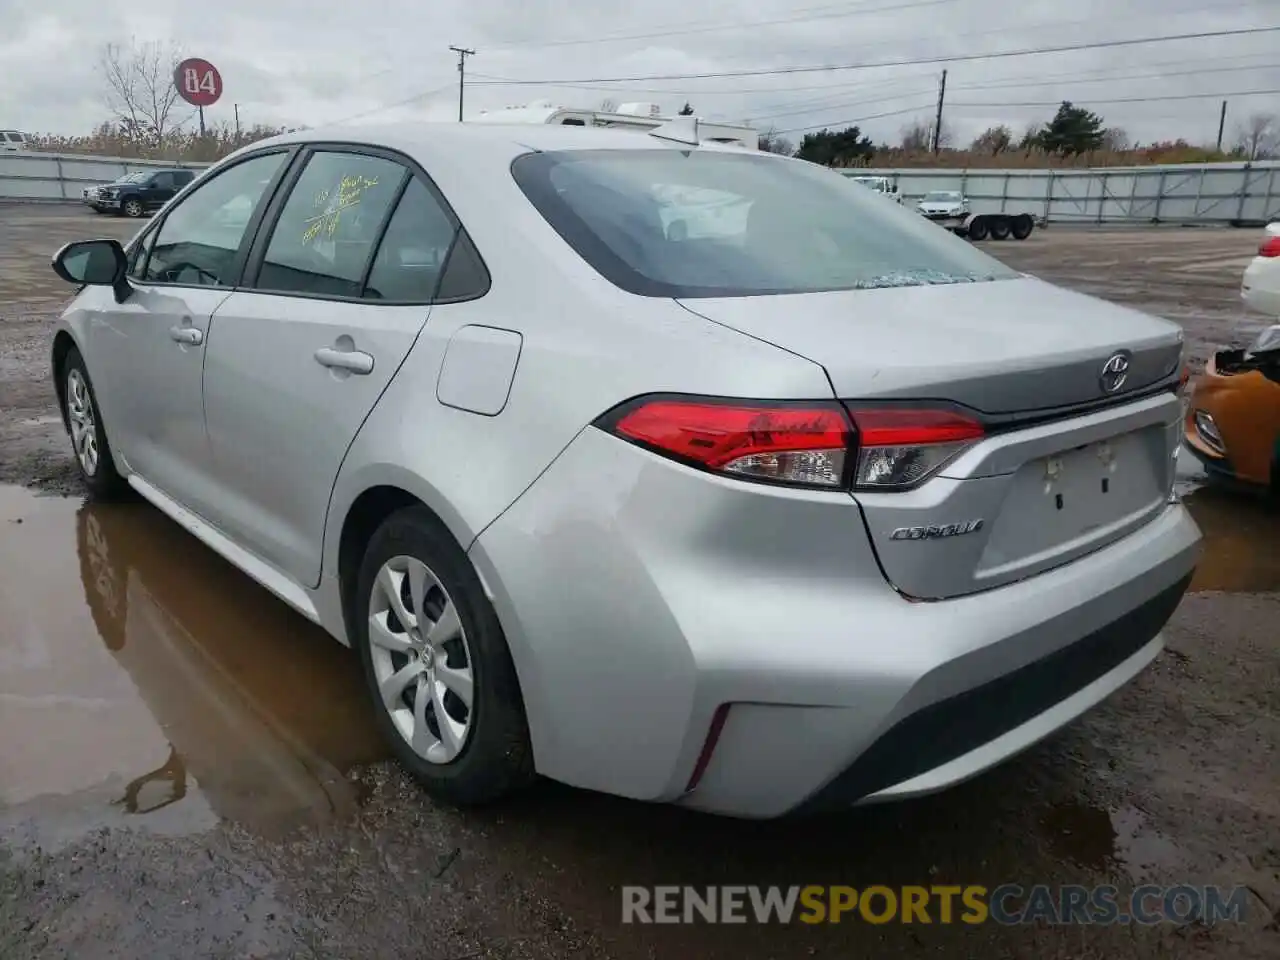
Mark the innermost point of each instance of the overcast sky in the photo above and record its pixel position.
(296, 62)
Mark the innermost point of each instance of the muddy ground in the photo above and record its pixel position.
(188, 769)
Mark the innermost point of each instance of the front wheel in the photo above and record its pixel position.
(88, 435)
(443, 684)
(977, 229)
(132, 208)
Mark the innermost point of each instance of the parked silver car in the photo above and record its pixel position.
(678, 471)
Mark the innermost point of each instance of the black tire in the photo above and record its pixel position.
(496, 758)
(1022, 226)
(132, 208)
(978, 229)
(1000, 228)
(103, 481)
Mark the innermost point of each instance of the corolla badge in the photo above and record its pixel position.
(939, 531)
(1114, 372)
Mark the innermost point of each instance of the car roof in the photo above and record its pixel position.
(426, 137)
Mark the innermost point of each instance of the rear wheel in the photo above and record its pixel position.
(1022, 226)
(88, 436)
(978, 228)
(132, 208)
(437, 666)
(999, 228)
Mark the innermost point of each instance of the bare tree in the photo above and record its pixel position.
(608, 106)
(917, 136)
(772, 142)
(993, 140)
(139, 89)
(1259, 136)
(1117, 139)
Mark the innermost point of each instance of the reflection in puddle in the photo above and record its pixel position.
(141, 673)
(1240, 534)
(1098, 839)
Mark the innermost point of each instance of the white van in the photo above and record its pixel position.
(13, 140)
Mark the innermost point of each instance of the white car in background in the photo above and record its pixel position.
(1261, 285)
(13, 140)
(943, 204)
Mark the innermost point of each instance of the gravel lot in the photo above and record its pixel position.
(188, 769)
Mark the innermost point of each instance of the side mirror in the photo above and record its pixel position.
(97, 263)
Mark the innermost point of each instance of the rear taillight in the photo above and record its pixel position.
(1270, 247)
(818, 444)
(902, 447)
(795, 444)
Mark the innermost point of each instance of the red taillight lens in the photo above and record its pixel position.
(797, 444)
(900, 447)
(1270, 247)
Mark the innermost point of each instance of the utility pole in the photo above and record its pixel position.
(1222, 124)
(462, 53)
(237, 106)
(937, 123)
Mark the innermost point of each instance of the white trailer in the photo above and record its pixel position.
(642, 117)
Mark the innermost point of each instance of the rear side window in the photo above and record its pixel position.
(325, 235)
(414, 249)
(690, 223)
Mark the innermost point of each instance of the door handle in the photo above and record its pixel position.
(353, 361)
(189, 335)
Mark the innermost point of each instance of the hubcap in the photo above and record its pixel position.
(84, 430)
(133, 208)
(421, 659)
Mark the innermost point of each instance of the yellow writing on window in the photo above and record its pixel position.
(332, 202)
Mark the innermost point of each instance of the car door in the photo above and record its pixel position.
(150, 349)
(158, 190)
(335, 294)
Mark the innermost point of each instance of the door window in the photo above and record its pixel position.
(197, 243)
(162, 181)
(413, 250)
(324, 238)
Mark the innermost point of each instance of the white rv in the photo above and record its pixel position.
(13, 140)
(636, 116)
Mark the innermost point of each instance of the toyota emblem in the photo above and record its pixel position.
(1114, 373)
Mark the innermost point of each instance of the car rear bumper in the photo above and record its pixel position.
(647, 604)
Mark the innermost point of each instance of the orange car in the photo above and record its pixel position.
(1232, 420)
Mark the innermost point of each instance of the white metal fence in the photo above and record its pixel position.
(55, 176)
(1221, 193)
(1213, 193)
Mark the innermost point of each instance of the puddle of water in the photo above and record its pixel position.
(1100, 839)
(145, 679)
(1240, 536)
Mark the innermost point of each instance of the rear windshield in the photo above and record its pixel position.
(675, 223)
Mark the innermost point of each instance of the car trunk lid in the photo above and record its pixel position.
(1067, 465)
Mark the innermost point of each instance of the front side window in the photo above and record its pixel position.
(162, 180)
(690, 223)
(323, 240)
(199, 239)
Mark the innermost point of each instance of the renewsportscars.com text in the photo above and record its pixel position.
(972, 904)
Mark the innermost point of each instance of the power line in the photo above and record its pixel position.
(913, 61)
(1091, 101)
(856, 120)
(389, 106)
(719, 27)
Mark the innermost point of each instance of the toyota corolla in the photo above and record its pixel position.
(657, 467)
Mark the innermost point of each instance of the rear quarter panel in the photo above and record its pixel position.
(586, 346)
